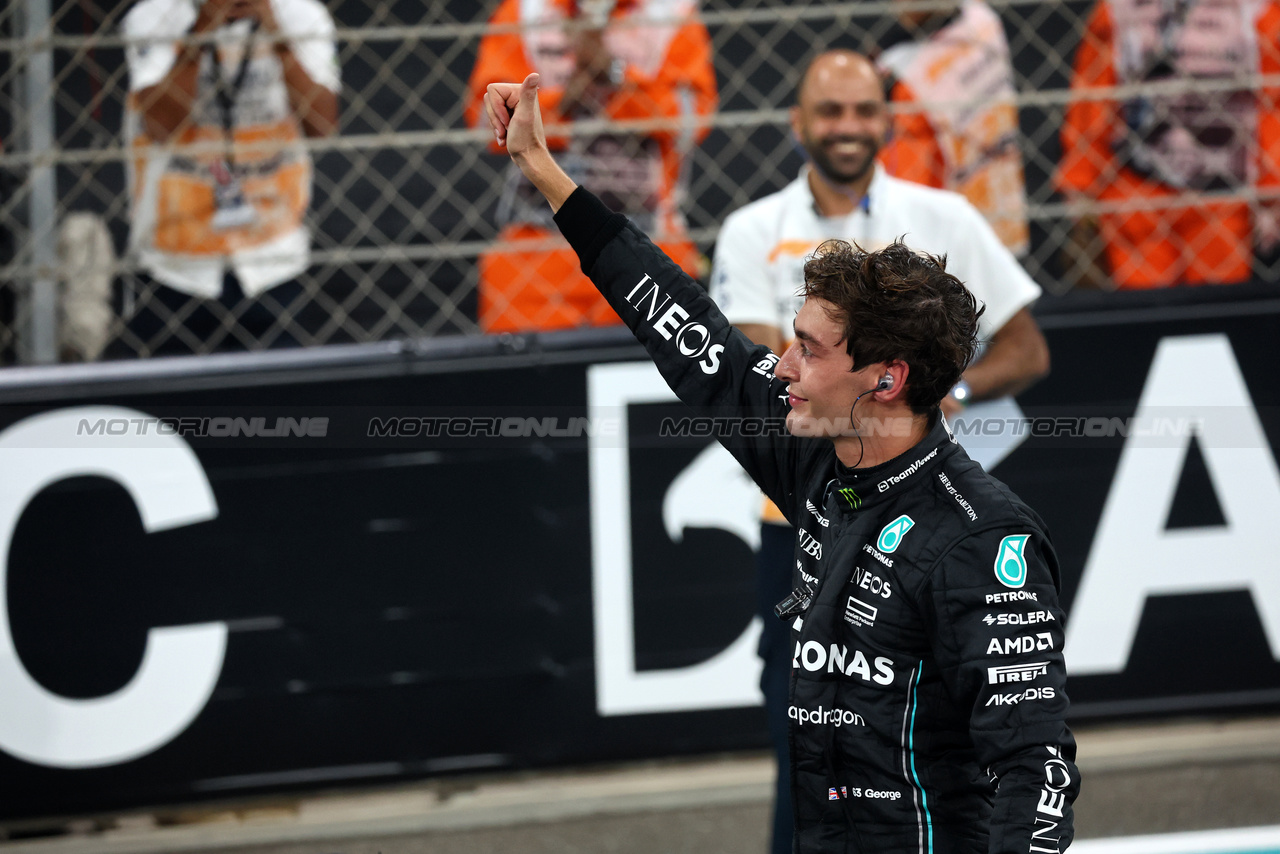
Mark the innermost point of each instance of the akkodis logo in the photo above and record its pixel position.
(1011, 566)
(893, 533)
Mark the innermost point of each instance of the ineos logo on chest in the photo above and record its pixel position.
(865, 579)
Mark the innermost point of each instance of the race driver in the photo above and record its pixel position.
(927, 693)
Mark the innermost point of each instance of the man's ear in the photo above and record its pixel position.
(896, 373)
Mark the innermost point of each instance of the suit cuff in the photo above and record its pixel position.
(588, 225)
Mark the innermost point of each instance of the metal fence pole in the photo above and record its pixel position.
(38, 343)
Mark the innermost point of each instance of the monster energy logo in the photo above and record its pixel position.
(850, 498)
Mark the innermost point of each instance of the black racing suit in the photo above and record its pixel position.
(927, 697)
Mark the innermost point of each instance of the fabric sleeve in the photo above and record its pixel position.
(149, 60)
(989, 270)
(311, 40)
(997, 635)
(912, 152)
(708, 363)
(1087, 162)
(740, 282)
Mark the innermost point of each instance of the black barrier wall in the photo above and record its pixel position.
(244, 573)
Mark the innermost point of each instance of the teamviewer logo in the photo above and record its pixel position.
(1016, 672)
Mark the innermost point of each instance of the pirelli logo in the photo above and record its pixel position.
(1016, 672)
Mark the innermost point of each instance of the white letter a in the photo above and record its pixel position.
(1193, 379)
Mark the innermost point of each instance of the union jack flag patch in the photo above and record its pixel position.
(832, 794)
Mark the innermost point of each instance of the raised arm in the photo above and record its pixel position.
(516, 119)
(708, 364)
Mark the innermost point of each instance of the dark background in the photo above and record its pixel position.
(417, 607)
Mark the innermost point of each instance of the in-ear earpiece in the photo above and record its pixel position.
(886, 383)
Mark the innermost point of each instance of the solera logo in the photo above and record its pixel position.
(181, 664)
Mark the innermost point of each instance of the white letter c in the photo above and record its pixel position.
(181, 664)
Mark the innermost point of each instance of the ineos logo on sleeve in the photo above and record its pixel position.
(667, 317)
(1053, 802)
(692, 340)
(891, 537)
(1057, 776)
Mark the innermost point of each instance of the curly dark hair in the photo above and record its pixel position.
(896, 303)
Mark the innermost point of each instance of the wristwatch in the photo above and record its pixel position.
(961, 393)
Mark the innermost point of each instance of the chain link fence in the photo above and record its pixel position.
(405, 194)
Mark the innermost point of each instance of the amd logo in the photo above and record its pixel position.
(1021, 644)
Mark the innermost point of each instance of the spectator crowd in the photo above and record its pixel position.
(1168, 173)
